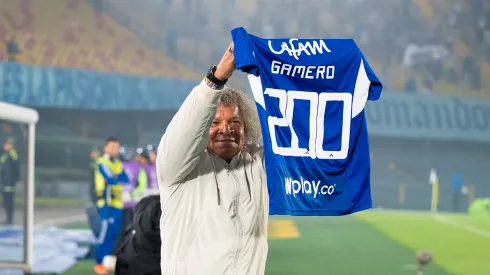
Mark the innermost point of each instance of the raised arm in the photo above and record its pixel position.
(187, 134)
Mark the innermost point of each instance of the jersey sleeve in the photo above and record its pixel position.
(243, 52)
(376, 87)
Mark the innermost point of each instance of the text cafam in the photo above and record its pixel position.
(296, 48)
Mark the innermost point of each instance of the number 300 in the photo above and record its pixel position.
(318, 104)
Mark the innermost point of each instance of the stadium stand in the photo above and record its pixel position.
(74, 34)
(147, 15)
(451, 38)
(452, 51)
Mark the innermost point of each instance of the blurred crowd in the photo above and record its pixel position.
(414, 46)
(77, 34)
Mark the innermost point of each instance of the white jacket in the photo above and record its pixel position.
(214, 214)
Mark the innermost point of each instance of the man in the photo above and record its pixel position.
(152, 150)
(151, 171)
(212, 182)
(131, 168)
(94, 156)
(9, 175)
(91, 208)
(143, 158)
(13, 50)
(457, 187)
(108, 178)
(139, 254)
(434, 181)
(135, 168)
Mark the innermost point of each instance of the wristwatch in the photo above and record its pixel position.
(214, 82)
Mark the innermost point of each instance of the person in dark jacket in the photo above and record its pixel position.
(9, 176)
(91, 207)
(139, 254)
(94, 156)
(135, 167)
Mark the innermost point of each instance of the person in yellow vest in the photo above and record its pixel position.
(9, 176)
(434, 181)
(152, 152)
(135, 168)
(109, 179)
(94, 157)
(142, 157)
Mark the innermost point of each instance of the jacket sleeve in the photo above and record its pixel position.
(107, 174)
(123, 177)
(187, 135)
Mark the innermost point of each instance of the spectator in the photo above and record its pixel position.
(434, 181)
(109, 178)
(472, 71)
(457, 186)
(136, 167)
(13, 50)
(91, 207)
(410, 82)
(94, 156)
(9, 176)
(3, 52)
(427, 84)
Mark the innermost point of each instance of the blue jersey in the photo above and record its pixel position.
(310, 96)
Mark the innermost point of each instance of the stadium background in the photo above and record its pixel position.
(96, 68)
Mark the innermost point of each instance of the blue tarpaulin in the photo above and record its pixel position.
(55, 249)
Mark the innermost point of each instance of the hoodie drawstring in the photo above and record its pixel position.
(215, 177)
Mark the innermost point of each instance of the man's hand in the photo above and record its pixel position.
(123, 178)
(226, 66)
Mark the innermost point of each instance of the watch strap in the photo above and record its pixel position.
(212, 85)
(214, 82)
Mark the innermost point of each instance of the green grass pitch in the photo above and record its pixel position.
(372, 243)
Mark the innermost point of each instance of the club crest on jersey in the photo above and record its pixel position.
(296, 48)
